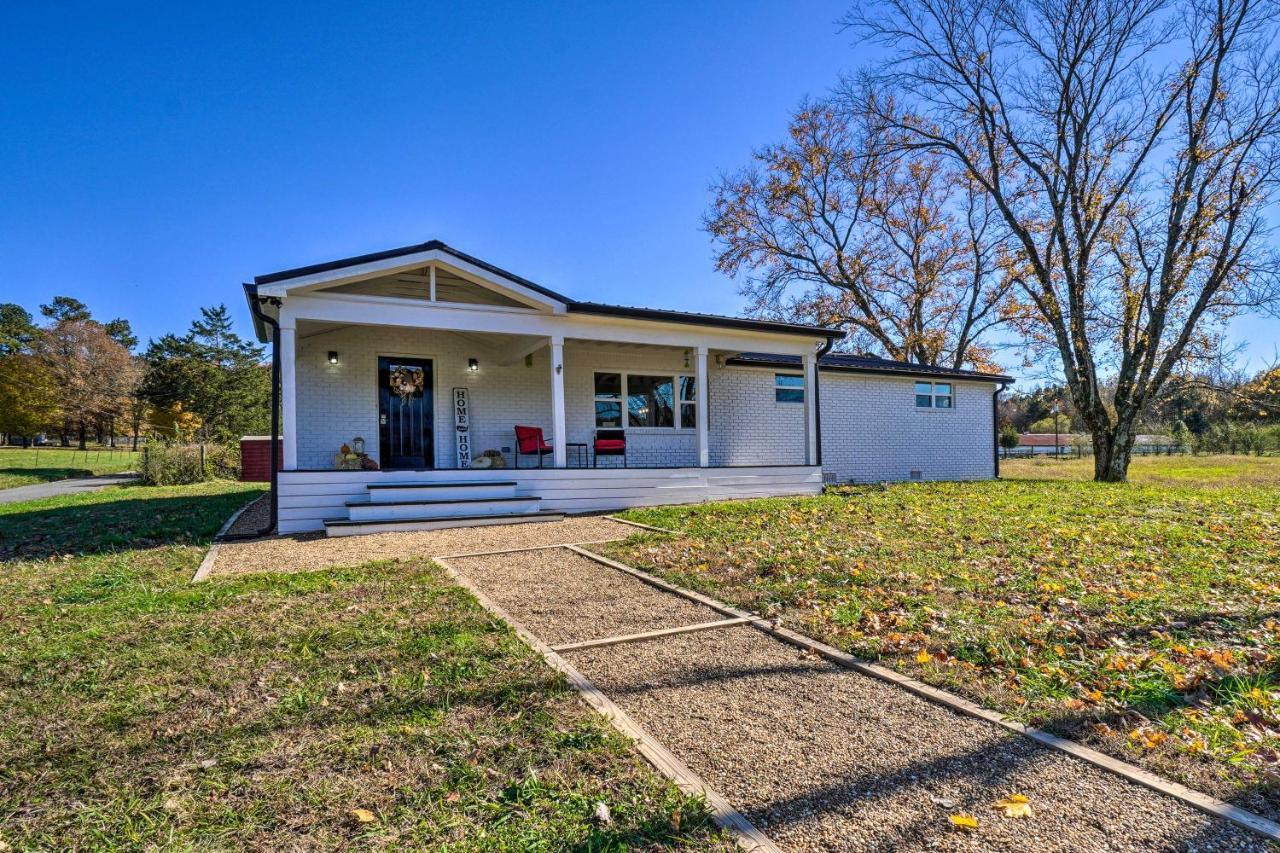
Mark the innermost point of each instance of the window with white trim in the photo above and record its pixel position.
(788, 387)
(934, 395)
(635, 400)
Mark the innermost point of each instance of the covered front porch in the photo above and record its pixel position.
(426, 361)
(472, 389)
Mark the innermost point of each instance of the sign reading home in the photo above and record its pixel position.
(462, 425)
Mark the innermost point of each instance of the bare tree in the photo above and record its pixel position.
(1130, 147)
(839, 226)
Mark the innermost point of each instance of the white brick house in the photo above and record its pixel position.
(384, 347)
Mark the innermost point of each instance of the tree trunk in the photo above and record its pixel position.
(82, 431)
(1112, 451)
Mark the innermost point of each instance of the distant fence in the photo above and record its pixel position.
(52, 456)
(1079, 451)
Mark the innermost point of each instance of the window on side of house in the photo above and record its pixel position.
(934, 395)
(788, 387)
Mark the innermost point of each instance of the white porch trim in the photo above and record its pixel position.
(391, 311)
(288, 394)
(700, 406)
(309, 498)
(559, 455)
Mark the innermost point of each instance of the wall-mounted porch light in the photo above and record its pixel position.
(333, 356)
(473, 365)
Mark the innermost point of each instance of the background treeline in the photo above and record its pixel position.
(1201, 414)
(73, 378)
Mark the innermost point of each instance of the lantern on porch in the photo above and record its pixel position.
(357, 445)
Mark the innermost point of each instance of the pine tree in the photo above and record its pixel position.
(212, 373)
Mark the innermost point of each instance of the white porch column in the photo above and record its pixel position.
(700, 393)
(558, 454)
(810, 409)
(288, 396)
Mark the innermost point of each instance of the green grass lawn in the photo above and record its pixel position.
(1204, 471)
(25, 466)
(1143, 618)
(377, 705)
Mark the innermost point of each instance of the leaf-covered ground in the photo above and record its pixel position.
(1144, 619)
(25, 466)
(371, 706)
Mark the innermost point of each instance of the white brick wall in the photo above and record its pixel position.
(870, 426)
(338, 402)
(872, 430)
(748, 426)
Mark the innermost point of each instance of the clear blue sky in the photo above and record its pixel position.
(153, 156)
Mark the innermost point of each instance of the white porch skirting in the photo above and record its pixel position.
(309, 498)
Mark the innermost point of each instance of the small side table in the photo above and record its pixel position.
(579, 450)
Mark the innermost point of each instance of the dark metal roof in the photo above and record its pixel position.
(701, 319)
(573, 305)
(846, 362)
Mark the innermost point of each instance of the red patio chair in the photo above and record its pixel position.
(610, 442)
(529, 442)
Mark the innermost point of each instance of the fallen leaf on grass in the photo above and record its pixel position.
(1015, 805)
(452, 797)
(602, 813)
(363, 815)
(964, 821)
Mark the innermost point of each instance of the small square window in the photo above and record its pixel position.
(934, 395)
(788, 388)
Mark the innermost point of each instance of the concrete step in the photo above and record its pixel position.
(366, 511)
(441, 491)
(399, 525)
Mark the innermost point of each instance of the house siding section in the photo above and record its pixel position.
(872, 430)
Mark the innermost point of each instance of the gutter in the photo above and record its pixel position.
(817, 397)
(255, 306)
(995, 428)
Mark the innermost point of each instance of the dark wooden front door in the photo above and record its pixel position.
(405, 413)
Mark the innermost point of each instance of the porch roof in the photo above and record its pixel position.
(571, 305)
(865, 364)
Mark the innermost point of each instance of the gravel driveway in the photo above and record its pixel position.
(820, 757)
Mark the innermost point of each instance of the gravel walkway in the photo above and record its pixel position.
(820, 757)
(564, 598)
(311, 551)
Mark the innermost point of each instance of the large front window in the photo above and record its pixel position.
(649, 401)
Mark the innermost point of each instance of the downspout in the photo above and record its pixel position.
(817, 397)
(995, 427)
(255, 304)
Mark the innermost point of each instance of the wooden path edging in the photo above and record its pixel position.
(650, 635)
(206, 565)
(734, 822)
(1203, 802)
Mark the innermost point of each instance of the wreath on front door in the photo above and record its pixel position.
(407, 381)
